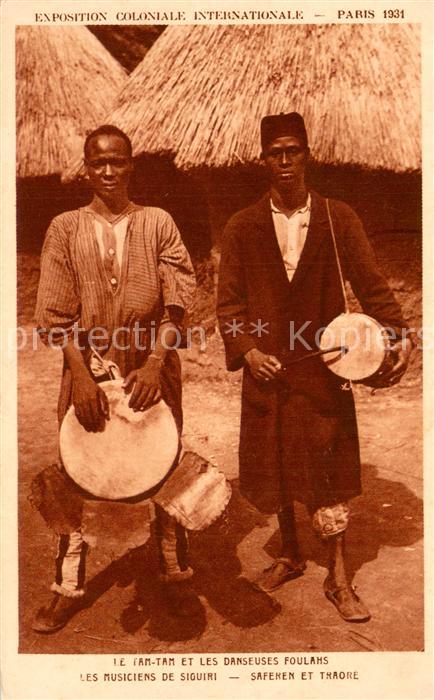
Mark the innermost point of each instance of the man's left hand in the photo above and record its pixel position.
(147, 385)
(401, 353)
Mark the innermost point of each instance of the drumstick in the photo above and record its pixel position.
(341, 348)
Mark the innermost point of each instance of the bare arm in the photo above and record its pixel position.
(89, 400)
(146, 380)
(177, 287)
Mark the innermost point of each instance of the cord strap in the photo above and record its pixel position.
(341, 277)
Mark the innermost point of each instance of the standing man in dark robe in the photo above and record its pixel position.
(279, 284)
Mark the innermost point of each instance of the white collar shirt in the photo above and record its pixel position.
(291, 231)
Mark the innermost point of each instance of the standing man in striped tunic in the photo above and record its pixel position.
(115, 276)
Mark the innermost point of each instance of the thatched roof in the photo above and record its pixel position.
(66, 82)
(127, 44)
(200, 92)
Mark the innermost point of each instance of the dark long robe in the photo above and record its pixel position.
(298, 440)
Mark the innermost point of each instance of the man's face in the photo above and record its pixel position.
(109, 165)
(285, 160)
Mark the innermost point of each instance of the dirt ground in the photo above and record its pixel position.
(126, 613)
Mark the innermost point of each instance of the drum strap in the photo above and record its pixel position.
(347, 385)
(341, 277)
(107, 367)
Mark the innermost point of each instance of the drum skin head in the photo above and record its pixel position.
(133, 453)
(365, 342)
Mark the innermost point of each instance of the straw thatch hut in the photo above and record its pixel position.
(128, 44)
(196, 100)
(66, 82)
(201, 90)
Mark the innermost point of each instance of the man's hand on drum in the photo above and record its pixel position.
(146, 383)
(262, 367)
(401, 351)
(90, 403)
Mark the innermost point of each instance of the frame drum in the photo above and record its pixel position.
(133, 453)
(195, 494)
(365, 347)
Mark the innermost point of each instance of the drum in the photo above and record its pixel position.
(195, 494)
(131, 456)
(365, 347)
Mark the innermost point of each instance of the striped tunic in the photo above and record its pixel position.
(75, 295)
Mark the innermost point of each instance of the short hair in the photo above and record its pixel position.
(107, 130)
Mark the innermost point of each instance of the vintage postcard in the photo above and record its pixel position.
(217, 362)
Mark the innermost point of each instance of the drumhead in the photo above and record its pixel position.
(365, 346)
(133, 453)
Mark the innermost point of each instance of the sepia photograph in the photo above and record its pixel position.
(219, 344)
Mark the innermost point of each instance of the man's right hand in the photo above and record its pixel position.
(90, 403)
(262, 367)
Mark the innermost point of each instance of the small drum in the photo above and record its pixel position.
(133, 453)
(196, 492)
(365, 347)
